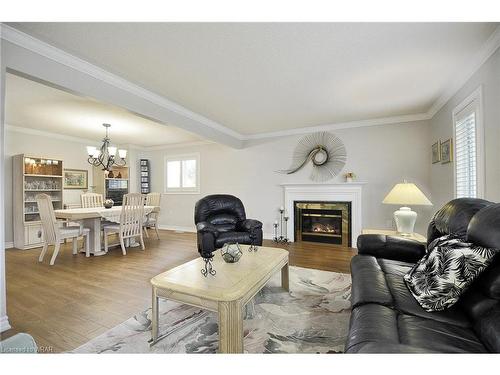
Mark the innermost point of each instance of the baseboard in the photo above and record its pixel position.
(4, 323)
(8, 245)
(267, 236)
(177, 228)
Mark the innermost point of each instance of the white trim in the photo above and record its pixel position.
(344, 192)
(192, 229)
(475, 97)
(484, 53)
(43, 133)
(37, 46)
(84, 141)
(4, 323)
(4, 320)
(341, 125)
(181, 157)
(9, 245)
(178, 228)
(178, 145)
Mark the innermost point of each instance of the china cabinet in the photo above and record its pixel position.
(32, 176)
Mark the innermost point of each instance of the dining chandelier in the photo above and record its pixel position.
(105, 156)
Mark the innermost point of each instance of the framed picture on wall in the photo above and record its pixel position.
(446, 151)
(436, 152)
(76, 179)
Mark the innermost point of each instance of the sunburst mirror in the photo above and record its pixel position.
(326, 152)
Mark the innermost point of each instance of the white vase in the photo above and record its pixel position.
(348, 179)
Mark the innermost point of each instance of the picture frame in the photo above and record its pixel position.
(446, 151)
(436, 152)
(76, 179)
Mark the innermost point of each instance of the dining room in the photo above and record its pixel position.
(86, 158)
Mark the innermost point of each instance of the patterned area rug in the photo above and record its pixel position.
(312, 318)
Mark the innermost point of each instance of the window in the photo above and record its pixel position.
(468, 142)
(182, 173)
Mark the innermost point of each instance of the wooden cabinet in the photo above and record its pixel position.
(33, 175)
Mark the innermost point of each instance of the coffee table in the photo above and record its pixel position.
(226, 293)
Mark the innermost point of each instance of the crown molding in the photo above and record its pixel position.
(35, 45)
(44, 133)
(342, 125)
(84, 141)
(169, 146)
(484, 53)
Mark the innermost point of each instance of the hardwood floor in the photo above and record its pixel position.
(79, 298)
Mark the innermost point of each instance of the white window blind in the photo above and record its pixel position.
(466, 152)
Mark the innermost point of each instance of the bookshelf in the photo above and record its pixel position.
(145, 176)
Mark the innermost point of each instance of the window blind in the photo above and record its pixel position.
(465, 153)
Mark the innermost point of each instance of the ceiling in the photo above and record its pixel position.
(34, 105)
(267, 77)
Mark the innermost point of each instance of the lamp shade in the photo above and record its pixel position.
(406, 194)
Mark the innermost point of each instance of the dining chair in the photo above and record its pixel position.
(131, 220)
(152, 199)
(91, 200)
(53, 234)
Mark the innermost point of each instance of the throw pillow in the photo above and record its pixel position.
(446, 271)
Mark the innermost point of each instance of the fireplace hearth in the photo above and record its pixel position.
(323, 222)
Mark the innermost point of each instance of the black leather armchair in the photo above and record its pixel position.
(220, 219)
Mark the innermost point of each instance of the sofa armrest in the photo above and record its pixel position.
(390, 247)
(249, 225)
(206, 227)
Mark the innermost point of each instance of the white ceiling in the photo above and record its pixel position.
(265, 77)
(34, 105)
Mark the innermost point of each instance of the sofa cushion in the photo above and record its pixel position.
(437, 336)
(380, 281)
(390, 329)
(439, 279)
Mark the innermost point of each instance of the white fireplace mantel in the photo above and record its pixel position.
(338, 192)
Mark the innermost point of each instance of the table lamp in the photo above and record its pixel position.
(406, 194)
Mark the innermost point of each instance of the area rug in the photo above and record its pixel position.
(312, 318)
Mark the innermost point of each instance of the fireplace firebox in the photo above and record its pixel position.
(324, 222)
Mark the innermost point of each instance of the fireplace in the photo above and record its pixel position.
(324, 222)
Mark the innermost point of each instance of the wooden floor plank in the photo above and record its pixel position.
(79, 298)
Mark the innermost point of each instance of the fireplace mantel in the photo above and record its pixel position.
(342, 192)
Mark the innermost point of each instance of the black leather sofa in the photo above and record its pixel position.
(385, 316)
(221, 219)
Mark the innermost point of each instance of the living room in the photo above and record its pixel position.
(276, 187)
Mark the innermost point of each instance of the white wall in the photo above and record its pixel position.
(442, 128)
(72, 153)
(379, 155)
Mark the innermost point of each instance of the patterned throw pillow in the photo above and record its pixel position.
(446, 271)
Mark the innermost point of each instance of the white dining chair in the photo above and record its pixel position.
(152, 199)
(91, 200)
(131, 220)
(53, 234)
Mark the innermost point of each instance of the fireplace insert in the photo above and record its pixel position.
(324, 222)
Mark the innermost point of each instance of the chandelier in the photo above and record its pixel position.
(105, 157)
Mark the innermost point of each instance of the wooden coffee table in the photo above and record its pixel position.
(226, 293)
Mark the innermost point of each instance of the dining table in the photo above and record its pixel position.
(92, 218)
